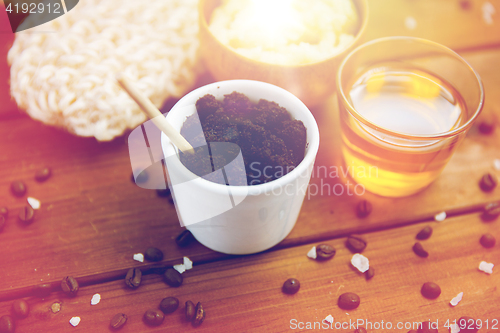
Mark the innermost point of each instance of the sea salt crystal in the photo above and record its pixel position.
(34, 203)
(329, 319)
(496, 164)
(456, 299)
(180, 268)
(188, 264)
(488, 11)
(486, 267)
(95, 299)
(312, 253)
(440, 217)
(454, 328)
(410, 23)
(74, 321)
(139, 257)
(360, 262)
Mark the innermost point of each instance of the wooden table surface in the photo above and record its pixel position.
(93, 219)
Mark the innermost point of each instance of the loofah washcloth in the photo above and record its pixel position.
(63, 71)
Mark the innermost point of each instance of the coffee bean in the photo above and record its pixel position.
(467, 325)
(169, 305)
(291, 286)
(42, 290)
(419, 250)
(7, 324)
(486, 127)
(190, 311)
(172, 277)
(488, 182)
(163, 193)
(491, 211)
(356, 243)
(487, 240)
(199, 315)
(184, 239)
(363, 209)
(348, 301)
(26, 214)
(4, 211)
(43, 174)
(133, 278)
(20, 308)
(69, 286)
(2, 223)
(370, 273)
(427, 327)
(18, 188)
(118, 321)
(153, 317)
(425, 233)
(325, 252)
(153, 254)
(430, 290)
(360, 330)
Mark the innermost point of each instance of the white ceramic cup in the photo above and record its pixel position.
(240, 219)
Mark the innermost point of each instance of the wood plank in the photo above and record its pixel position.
(243, 294)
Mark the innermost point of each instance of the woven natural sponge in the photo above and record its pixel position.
(63, 72)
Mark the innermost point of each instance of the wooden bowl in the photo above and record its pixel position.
(312, 83)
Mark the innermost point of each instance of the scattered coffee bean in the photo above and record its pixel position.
(468, 325)
(419, 250)
(184, 239)
(360, 330)
(348, 301)
(487, 240)
(153, 317)
(118, 321)
(2, 223)
(291, 286)
(427, 327)
(133, 278)
(163, 193)
(486, 127)
(370, 273)
(356, 243)
(7, 324)
(18, 188)
(491, 211)
(141, 177)
(199, 315)
(363, 209)
(488, 182)
(430, 290)
(153, 254)
(69, 286)
(190, 311)
(26, 214)
(43, 174)
(169, 305)
(172, 277)
(325, 252)
(20, 308)
(42, 290)
(425, 233)
(4, 211)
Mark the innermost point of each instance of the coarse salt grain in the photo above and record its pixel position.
(74, 321)
(360, 262)
(454, 328)
(440, 217)
(34, 203)
(328, 319)
(486, 267)
(312, 253)
(456, 299)
(95, 299)
(55, 307)
(180, 268)
(139, 257)
(188, 264)
(410, 23)
(496, 164)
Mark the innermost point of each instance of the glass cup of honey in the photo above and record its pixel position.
(405, 104)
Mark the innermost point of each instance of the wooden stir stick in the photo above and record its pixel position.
(155, 115)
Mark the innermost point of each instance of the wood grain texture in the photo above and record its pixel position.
(243, 294)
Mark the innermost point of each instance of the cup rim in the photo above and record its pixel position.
(364, 121)
(312, 145)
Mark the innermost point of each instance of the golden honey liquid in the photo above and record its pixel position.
(407, 101)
